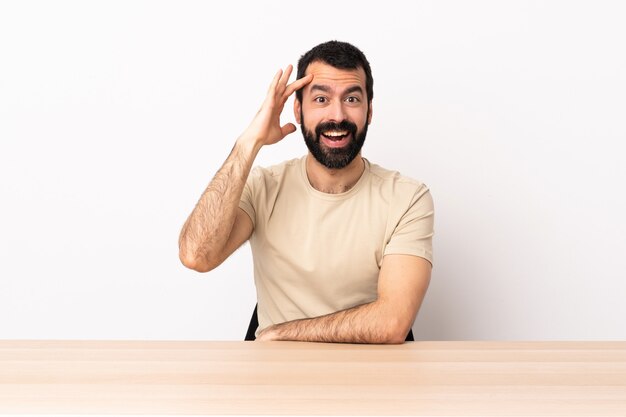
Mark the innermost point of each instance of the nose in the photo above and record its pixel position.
(336, 111)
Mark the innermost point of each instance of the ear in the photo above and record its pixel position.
(296, 110)
(369, 113)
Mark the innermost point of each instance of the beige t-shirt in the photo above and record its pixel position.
(316, 253)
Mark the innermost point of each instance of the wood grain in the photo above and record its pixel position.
(290, 378)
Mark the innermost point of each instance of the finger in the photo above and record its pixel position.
(288, 129)
(275, 81)
(298, 84)
(286, 74)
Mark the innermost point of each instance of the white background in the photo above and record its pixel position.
(115, 115)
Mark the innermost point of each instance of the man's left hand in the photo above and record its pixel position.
(267, 335)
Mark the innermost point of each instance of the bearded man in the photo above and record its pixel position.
(342, 247)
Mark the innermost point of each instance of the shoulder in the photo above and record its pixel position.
(265, 186)
(396, 185)
(276, 171)
(266, 176)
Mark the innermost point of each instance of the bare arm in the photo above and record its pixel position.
(204, 240)
(217, 226)
(402, 284)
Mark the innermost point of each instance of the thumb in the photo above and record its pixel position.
(288, 129)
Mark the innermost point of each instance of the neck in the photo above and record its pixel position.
(334, 181)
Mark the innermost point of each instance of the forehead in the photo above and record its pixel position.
(337, 79)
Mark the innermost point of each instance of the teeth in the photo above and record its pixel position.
(335, 133)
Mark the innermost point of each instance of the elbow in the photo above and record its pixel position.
(395, 338)
(194, 262)
(395, 332)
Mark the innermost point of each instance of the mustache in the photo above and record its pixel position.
(343, 125)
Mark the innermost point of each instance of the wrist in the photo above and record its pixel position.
(249, 143)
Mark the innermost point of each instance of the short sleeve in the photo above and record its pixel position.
(246, 203)
(413, 232)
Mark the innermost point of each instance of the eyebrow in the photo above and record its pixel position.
(354, 89)
(320, 87)
(327, 89)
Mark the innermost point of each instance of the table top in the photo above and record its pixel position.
(295, 378)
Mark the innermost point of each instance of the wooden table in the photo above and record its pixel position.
(416, 378)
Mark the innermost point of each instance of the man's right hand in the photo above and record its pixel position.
(217, 226)
(265, 128)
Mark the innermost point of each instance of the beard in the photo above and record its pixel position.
(334, 158)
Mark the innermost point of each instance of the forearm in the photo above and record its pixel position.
(204, 240)
(208, 227)
(374, 322)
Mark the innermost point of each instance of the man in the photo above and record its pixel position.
(342, 248)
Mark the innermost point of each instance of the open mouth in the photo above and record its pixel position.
(335, 135)
(335, 138)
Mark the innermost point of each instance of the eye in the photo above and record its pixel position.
(352, 99)
(320, 99)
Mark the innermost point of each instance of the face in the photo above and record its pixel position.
(334, 114)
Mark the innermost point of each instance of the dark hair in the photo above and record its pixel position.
(341, 55)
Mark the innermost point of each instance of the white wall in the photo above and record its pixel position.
(115, 115)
